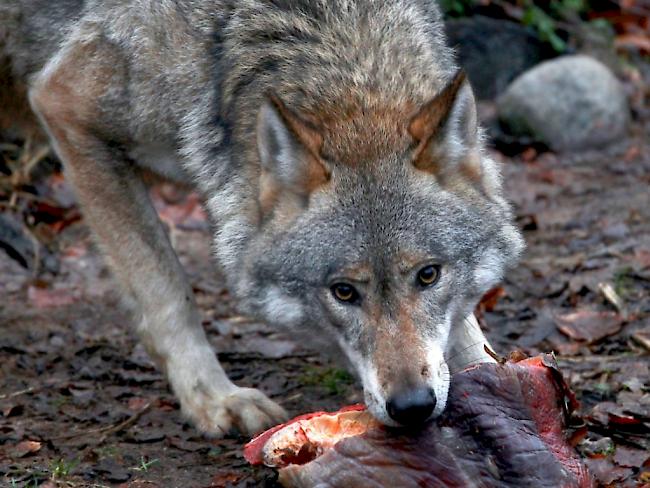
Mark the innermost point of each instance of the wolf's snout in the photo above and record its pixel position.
(412, 407)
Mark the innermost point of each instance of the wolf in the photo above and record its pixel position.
(336, 148)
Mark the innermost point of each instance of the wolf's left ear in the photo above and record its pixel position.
(289, 149)
(446, 132)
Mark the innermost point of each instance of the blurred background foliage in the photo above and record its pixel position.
(623, 23)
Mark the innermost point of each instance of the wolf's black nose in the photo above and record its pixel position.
(412, 407)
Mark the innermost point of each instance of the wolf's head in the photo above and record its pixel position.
(380, 247)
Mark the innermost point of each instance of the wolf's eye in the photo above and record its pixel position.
(344, 293)
(428, 275)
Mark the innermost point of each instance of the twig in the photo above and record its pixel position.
(29, 164)
(32, 389)
(5, 396)
(6, 146)
(123, 425)
(239, 319)
(106, 431)
(612, 297)
(494, 355)
(34, 198)
(596, 357)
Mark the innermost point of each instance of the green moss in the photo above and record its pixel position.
(334, 380)
(623, 283)
(61, 468)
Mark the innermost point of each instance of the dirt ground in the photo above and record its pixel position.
(81, 404)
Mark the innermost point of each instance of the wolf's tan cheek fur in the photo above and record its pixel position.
(269, 190)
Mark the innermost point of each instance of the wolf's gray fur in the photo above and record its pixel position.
(308, 128)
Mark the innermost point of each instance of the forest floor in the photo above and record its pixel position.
(81, 404)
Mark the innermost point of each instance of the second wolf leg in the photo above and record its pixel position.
(118, 210)
(467, 345)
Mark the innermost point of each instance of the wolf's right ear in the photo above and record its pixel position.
(289, 149)
(447, 135)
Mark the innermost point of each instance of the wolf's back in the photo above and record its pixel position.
(368, 45)
(353, 67)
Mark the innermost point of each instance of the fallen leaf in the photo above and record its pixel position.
(529, 154)
(112, 471)
(606, 472)
(25, 448)
(138, 403)
(632, 153)
(588, 325)
(12, 410)
(48, 298)
(145, 435)
(636, 403)
(642, 338)
(567, 348)
(623, 419)
(491, 298)
(638, 41)
(166, 405)
(138, 484)
(183, 445)
(185, 212)
(225, 478)
(620, 419)
(16, 242)
(600, 413)
(642, 256)
(634, 384)
(630, 458)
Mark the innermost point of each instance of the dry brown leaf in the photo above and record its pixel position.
(630, 458)
(638, 41)
(25, 448)
(225, 478)
(47, 298)
(491, 298)
(606, 473)
(589, 325)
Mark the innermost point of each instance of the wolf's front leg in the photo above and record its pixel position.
(466, 345)
(118, 210)
(208, 397)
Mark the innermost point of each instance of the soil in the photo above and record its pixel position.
(82, 405)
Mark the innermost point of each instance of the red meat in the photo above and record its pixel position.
(505, 426)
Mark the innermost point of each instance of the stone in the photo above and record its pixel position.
(571, 103)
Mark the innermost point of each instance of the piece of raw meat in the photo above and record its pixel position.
(505, 426)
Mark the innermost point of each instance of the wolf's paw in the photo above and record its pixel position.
(245, 409)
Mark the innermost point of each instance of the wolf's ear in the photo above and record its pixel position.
(446, 132)
(289, 149)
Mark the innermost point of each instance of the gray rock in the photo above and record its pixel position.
(493, 52)
(570, 103)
